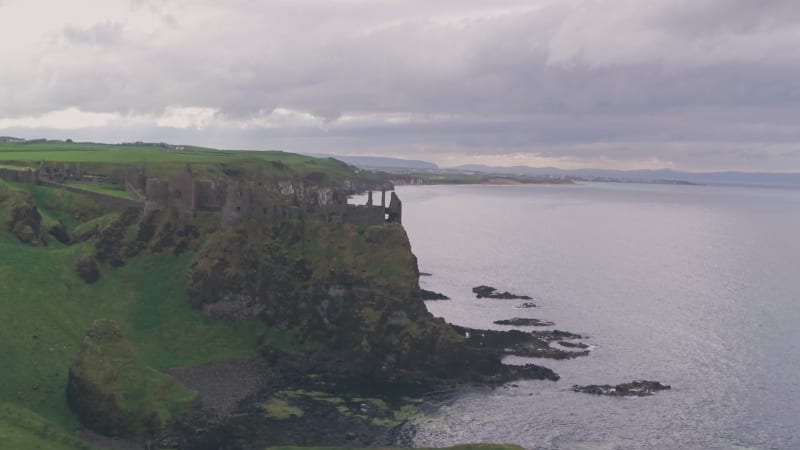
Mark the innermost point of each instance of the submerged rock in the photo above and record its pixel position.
(526, 305)
(484, 291)
(524, 322)
(641, 388)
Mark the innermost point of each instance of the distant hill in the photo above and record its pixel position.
(10, 139)
(379, 162)
(737, 178)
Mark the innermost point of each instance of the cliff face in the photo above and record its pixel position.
(353, 290)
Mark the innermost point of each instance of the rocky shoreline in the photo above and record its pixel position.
(431, 295)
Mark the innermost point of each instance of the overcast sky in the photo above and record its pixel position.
(684, 84)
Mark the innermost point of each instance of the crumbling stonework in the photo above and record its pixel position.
(19, 176)
(266, 201)
(60, 172)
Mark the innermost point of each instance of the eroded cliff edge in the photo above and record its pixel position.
(352, 290)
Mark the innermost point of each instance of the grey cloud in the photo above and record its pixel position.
(105, 33)
(731, 16)
(509, 76)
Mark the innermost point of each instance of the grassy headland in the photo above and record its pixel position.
(98, 303)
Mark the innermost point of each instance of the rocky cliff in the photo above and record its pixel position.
(352, 289)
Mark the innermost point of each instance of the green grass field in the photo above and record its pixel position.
(22, 429)
(162, 162)
(46, 309)
(103, 188)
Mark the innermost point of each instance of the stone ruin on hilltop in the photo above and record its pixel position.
(268, 201)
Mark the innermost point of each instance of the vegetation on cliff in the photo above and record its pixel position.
(352, 288)
(46, 308)
(114, 392)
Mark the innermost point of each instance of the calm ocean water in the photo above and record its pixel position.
(694, 286)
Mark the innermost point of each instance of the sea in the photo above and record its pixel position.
(697, 287)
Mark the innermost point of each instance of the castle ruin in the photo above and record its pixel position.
(268, 201)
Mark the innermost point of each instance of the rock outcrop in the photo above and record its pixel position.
(24, 220)
(87, 268)
(524, 322)
(114, 393)
(640, 388)
(431, 295)
(484, 291)
(355, 289)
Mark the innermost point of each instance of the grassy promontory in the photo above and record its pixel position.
(98, 305)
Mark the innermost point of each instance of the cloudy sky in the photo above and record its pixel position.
(684, 84)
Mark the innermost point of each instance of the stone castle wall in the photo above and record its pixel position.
(266, 201)
(19, 176)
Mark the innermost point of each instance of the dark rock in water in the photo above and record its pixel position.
(519, 343)
(523, 322)
(640, 388)
(431, 295)
(557, 335)
(526, 305)
(573, 344)
(484, 291)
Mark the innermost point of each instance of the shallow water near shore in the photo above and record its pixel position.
(693, 286)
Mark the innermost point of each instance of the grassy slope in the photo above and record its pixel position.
(23, 429)
(108, 189)
(45, 310)
(110, 363)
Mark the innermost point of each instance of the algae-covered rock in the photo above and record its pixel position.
(114, 393)
(111, 246)
(163, 231)
(24, 220)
